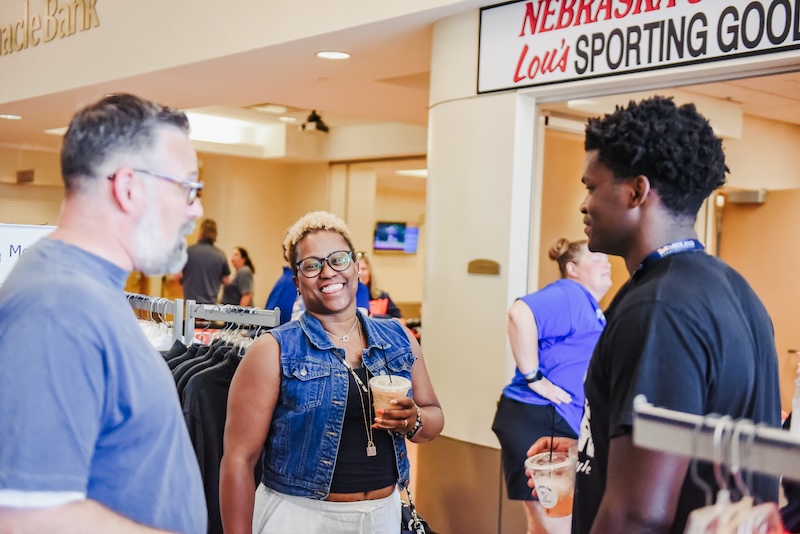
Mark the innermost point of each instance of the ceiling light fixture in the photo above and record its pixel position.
(314, 123)
(274, 109)
(571, 125)
(331, 54)
(287, 119)
(418, 173)
(10, 117)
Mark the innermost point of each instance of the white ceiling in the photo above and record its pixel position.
(386, 79)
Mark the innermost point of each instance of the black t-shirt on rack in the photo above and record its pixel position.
(174, 351)
(212, 358)
(205, 405)
(691, 335)
(191, 352)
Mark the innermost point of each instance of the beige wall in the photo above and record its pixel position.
(401, 275)
(31, 203)
(254, 202)
(46, 166)
(562, 194)
(765, 157)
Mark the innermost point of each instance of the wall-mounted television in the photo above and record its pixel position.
(392, 236)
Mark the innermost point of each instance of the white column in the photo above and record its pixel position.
(480, 161)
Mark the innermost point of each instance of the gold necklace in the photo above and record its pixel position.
(345, 338)
(365, 408)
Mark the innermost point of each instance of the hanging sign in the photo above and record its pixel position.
(14, 240)
(539, 42)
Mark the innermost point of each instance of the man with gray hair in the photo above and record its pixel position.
(92, 437)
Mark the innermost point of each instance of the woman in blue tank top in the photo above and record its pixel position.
(552, 333)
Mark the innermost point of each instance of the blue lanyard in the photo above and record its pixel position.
(685, 245)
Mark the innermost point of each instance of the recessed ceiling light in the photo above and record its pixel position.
(330, 54)
(287, 119)
(419, 173)
(10, 117)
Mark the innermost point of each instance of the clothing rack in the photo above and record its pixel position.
(161, 306)
(229, 314)
(767, 450)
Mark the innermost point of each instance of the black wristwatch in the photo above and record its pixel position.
(417, 425)
(535, 378)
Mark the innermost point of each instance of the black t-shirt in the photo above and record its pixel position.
(691, 335)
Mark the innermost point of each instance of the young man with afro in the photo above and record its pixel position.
(687, 331)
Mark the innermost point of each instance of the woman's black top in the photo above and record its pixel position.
(355, 471)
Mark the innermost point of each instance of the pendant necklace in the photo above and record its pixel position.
(365, 407)
(345, 338)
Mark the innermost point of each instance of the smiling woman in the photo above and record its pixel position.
(330, 459)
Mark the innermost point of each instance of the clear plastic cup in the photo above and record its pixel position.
(554, 479)
(385, 388)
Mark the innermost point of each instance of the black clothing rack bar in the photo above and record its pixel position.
(767, 450)
(229, 314)
(162, 307)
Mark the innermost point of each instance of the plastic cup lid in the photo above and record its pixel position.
(393, 383)
(543, 460)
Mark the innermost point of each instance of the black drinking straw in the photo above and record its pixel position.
(552, 432)
(388, 371)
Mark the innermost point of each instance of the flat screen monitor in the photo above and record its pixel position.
(395, 237)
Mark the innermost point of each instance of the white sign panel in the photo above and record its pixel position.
(14, 240)
(539, 42)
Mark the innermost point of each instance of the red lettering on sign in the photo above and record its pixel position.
(543, 64)
(565, 14)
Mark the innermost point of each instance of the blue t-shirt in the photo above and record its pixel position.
(569, 321)
(283, 295)
(86, 404)
(362, 296)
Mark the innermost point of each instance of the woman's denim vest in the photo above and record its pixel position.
(303, 441)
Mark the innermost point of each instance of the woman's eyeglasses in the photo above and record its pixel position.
(339, 261)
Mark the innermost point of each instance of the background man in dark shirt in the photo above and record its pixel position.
(207, 267)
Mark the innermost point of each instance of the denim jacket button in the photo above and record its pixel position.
(303, 372)
(403, 454)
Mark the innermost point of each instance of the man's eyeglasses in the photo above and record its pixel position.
(339, 261)
(192, 188)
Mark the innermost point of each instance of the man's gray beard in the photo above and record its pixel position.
(151, 255)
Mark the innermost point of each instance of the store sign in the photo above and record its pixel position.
(14, 240)
(52, 19)
(540, 42)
